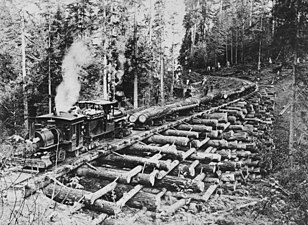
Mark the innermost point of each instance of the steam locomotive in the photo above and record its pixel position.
(54, 136)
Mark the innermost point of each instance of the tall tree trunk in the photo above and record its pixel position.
(251, 9)
(242, 42)
(150, 72)
(49, 72)
(227, 48)
(135, 63)
(260, 44)
(231, 47)
(162, 94)
(172, 79)
(236, 45)
(24, 73)
(105, 94)
(293, 99)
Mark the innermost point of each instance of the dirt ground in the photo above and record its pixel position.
(262, 203)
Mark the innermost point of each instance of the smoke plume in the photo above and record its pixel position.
(68, 91)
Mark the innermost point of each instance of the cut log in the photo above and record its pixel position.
(129, 161)
(198, 128)
(205, 157)
(211, 134)
(192, 168)
(231, 119)
(153, 113)
(218, 143)
(179, 183)
(61, 194)
(167, 149)
(160, 139)
(225, 153)
(111, 174)
(221, 117)
(236, 127)
(181, 133)
(239, 114)
(208, 122)
(239, 136)
(227, 166)
(244, 110)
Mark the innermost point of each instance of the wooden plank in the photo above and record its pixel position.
(127, 196)
(209, 192)
(96, 195)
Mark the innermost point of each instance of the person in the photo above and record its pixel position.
(270, 60)
(218, 65)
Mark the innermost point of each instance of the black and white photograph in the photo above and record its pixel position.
(153, 112)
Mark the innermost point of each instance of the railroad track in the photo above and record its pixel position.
(169, 166)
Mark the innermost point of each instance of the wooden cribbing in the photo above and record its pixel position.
(170, 182)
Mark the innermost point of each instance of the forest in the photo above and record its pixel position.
(134, 46)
